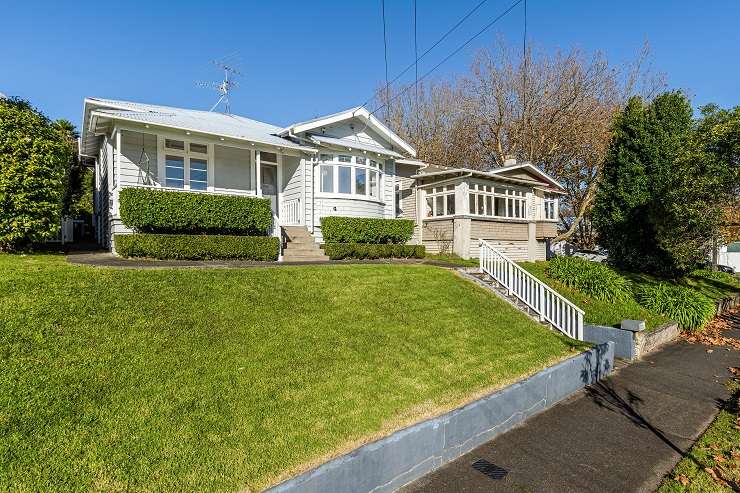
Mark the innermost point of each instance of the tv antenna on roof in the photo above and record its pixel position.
(224, 87)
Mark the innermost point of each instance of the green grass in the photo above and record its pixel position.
(454, 259)
(721, 440)
(612, 313)
(225, 380)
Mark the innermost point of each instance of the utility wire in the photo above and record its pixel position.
(416, 63)
(524, 55)
(418, 59)
(455, 52)
(385, 56)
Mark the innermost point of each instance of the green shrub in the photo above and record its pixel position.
(197, 247)
(336, 229)
(692, 310)
(593, 279)
(339, 251)
(34, 156)
(161, 211)
(716, 275)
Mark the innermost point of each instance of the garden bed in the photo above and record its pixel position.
(224, 380)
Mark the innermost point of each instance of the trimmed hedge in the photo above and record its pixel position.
(161, 211)
(691, 309)
(339, 251)
(591, 278)
(197, 247)
(338, 229)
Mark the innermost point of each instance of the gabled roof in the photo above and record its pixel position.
(358, 112)
(495, 174)
(531, 168)
(353, 144)
(197, 121)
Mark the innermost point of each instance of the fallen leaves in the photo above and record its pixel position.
(712, 333)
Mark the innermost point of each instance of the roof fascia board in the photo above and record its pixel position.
(287, 145)
(533, 168)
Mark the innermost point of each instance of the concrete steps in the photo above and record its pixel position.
(300, 246)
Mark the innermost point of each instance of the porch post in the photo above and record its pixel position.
(258, 173)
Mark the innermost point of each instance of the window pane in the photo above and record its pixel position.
(327, 157)
(500, 203)
(174, 144)
(450, 187)
(198, 185)
(174, 171)
(198, 164)
(327, 178)
(360, 160)
(471, 198)
(489, 205)
(360, 181)
(345, 179)
(373, 163)
(440, 210)
(450, 204)
(481, 205)
(268, 157)
(199, 148)
(373, 183)
(345, 159)
(430, 205)
(509, 208)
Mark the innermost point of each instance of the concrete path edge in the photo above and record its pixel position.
(392, 462)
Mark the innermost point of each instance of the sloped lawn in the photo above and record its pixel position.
(612, 313)
(229, 380)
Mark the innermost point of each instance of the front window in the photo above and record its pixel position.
(441, 201)
(198, 174)
(350, 175)
(186, 165)
(551, 206)
(486, 200)
(174, 171)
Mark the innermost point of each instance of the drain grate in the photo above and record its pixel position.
(489, 469)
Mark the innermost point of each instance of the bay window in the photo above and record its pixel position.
(497, 201)
(351, 176)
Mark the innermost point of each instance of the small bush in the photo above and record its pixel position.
(161, 211)
(692, 310)
(339, 251)
(718, 276)
(336, 229)
(593, 279)
(197, 247)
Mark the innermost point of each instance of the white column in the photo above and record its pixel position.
(258, 174)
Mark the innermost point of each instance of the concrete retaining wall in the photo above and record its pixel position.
(624, 340)
(389, 463)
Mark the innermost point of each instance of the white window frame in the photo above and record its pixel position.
(331, 158)
(552, 212)
(512, 197)
(187, 155)
(447, 192)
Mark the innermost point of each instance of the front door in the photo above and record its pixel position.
(268, 182)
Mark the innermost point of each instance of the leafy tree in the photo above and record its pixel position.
(34, 157)
(655, 209)
(78, 192)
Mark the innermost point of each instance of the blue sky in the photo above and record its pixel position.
(306, 58)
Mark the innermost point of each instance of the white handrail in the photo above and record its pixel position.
(545, 301)
(290, 212)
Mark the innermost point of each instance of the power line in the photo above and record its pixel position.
(524, 55)
(418, 59)
(455, 52)
(385, 54)
(416, 63)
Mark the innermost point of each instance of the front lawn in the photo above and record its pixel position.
(227, 380)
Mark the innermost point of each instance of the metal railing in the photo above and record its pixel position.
(290, 212)
(546, 302)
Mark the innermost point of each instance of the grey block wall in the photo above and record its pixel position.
(624, 340)
(389, 463)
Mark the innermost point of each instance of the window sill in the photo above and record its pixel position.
(348, 197)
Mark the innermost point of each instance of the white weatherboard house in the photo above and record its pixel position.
(345, 164)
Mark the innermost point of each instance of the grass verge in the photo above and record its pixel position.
(713, 463)
(223, 380)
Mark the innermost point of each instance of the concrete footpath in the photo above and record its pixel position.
(620, 435)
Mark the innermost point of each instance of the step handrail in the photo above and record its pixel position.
(549, 305)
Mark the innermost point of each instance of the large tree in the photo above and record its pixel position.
(34, 159)
(553, 109)
(657, 207)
